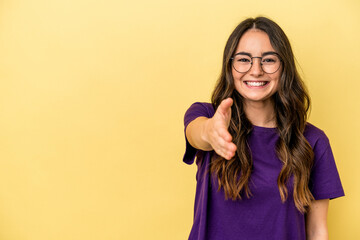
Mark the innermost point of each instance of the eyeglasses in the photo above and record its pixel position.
(242, 62)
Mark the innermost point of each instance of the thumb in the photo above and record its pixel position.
(225, 107)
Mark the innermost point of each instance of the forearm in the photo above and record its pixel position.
(316, 220)
(196, 134)
(319, 235)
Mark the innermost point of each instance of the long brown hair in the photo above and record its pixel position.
(292, 104)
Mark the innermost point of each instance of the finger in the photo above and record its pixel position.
(224, 133)
(230, 150)
(223, 154)
(227, 149)
(230, 147)
(227, 155)
(225, 106)
(223, 139)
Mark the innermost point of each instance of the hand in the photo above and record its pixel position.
(216, 131)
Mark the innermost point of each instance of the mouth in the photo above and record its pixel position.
(256, 83)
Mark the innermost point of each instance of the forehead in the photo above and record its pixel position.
(255, 42)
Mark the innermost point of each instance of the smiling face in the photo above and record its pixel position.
(255, 85)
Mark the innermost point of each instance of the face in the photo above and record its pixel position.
(256, 85)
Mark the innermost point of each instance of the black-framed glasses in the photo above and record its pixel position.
(270, 63)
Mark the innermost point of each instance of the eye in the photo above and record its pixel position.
(269, 60)
(244, 60)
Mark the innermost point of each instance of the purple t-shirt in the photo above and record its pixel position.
(263, 216)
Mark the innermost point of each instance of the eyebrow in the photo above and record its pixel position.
(264, 54)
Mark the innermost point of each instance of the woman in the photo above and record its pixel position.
(264, 172)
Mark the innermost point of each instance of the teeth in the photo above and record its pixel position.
(256, 84)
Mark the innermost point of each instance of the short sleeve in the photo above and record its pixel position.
(325, 181)
(196, 110)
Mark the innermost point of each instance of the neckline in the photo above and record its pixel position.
(264, 129)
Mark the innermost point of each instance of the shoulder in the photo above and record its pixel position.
(317, 139)
(324, 180)
(315, 136)
(202, 107)
(198, 109)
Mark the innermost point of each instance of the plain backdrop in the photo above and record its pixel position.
(92, 98)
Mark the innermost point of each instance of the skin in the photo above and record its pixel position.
(316, 220)
(259, 106)
(212, 133)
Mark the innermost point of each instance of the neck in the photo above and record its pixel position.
(261, 113)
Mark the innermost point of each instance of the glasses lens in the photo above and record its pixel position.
(242, 63)
(270, 63)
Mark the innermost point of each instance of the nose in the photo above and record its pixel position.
(256, 68)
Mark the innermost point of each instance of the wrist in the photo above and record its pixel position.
(205, 133)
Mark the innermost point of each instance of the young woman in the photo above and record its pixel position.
(264, 172)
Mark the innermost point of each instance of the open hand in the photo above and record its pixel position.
(217, 134)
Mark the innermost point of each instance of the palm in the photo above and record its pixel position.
(219, 137)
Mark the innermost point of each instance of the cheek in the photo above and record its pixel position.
(233, 73)
(276, 88)
(237, 80)
(277, 80)
(236, 76)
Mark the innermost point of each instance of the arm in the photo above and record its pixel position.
(212, 133)
(195, 133)
(316, 225)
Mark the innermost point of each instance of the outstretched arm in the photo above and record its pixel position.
(212, 133)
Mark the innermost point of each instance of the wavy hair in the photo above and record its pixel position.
(291, 105)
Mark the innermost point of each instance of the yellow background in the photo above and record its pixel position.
(92, 98)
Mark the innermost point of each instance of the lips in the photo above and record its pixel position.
(256, 83)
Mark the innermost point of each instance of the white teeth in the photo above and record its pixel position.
(255, 84)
